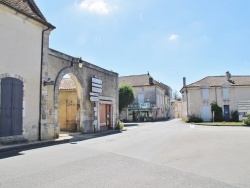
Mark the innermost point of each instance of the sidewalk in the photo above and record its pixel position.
(63, 138)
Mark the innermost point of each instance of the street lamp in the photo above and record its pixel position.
(79, 61)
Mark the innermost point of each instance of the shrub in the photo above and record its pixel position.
(218, 117)
(247, 120)
(194, 119)
(120, 125)
(234, 116)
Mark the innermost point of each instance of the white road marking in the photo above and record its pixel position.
(192, 126)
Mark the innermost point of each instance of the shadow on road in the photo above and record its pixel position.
(17, 150)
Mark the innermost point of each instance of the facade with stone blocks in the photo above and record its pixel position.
(60, 65)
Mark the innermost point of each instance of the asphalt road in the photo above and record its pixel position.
(163, 154)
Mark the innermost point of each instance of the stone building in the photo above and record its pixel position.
(92, 117)
(152, 99)
(31, 73)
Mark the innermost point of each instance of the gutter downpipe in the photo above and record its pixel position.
(41, 77)
(187, 100)
(216, 94)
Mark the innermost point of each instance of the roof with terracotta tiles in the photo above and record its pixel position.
(135, 80)
(142, 80)
(220, 80)
(67, 84)
(27, 7)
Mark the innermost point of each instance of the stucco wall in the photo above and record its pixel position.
(195, 101)
(154, 95)
(20, 51)
(148, 93)
(177, 109)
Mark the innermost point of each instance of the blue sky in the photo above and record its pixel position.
(171, 39)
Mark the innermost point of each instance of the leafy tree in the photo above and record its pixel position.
(126, 96)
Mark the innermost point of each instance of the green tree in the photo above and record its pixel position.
(126, 96)
(218, 116)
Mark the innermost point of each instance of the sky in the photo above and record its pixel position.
(170, 39)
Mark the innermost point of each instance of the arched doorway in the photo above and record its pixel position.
(69, 101)
(69, 105)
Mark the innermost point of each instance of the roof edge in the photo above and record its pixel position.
(31, 17)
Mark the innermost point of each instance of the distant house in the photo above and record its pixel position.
(229, 92)
(152, 99)
(176, 108)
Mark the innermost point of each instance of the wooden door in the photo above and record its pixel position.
(11, 107)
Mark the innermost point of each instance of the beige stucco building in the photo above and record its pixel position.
(229, 92)
(22, 30)
(176, 108)
(31, 73)
(152, 99)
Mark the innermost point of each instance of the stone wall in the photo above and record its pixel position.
(60, 64)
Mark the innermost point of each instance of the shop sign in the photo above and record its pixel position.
(145, 105)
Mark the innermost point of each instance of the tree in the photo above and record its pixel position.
(218, 116)
(176, 95)
(126, 96)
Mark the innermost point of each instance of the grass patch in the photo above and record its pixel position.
(222, 123)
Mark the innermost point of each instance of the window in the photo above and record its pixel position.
(225, 93)
(140, 98)
(204, 94)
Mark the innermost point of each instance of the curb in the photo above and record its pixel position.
(36, 144)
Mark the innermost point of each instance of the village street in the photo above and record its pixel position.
(161, 154)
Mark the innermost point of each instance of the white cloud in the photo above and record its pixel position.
(97, 6)
(173, 37)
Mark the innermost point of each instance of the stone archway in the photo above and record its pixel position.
(77, 78)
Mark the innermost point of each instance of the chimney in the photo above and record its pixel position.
(228, 75)
(184, 81)
(151, 81)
